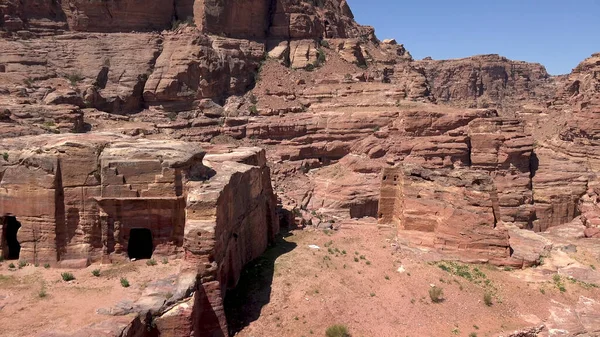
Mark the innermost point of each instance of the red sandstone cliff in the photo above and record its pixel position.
(483, 147)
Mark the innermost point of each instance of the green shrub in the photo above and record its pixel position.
(124, 282)
(337, 331)
(321, 57)
(22, 264)
(96, 272)
(253, 110)
(5, 156)
(1, 258)
(46, 265)
(487, 299)
(42, 293)
(473, 334)
(67, 277)
(151, 262)
(325, 43)
(165, 260)
(74, 78)
(11, 266)
(436, 294)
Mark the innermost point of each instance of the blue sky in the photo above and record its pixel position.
(556, 33)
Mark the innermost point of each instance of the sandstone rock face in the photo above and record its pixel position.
(454, 209)
(104, 197)
(483, 81)
(88, 70)
(193, 67)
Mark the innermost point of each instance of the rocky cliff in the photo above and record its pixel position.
(464, 156)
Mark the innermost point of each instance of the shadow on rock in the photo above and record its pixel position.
(244, 303)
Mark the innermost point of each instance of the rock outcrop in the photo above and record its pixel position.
(485, 81)
(106, 197)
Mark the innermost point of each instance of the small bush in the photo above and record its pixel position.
(42, 293)
(11, 266)
(124, 282)
(46, 265)
(151, 262)
(5, 156)
(28, 82)
(165, 260)
(487, 299)
(96, 272)
(172, 116)
(253, 99)
(436, 294)
(1, 258)
(74, 78)
(473, 334)
(321, 57)
(22, 264)
(337, 331)
(253, 110)
(325, 43)
(67, 277)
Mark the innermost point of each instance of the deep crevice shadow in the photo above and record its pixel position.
(244, 304)
(534, 164)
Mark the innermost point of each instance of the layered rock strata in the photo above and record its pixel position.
(73, 200)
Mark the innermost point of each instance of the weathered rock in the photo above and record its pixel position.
(89, 198)
(453, 208)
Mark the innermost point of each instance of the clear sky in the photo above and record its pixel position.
(556, 33)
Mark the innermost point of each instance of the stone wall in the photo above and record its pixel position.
(78, 197)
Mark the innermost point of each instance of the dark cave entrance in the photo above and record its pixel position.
(10, 229)
(140, 244)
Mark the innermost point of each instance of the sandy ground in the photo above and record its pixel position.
(357, 277)
(68, 306)
(353, 279)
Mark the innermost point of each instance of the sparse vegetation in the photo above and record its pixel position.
(253, 99)
(487, 299)
(165, 260)
(5, 156)
(172, 116)
(22, 264)
(124, 282)
(46, 265)
(28, 82)
(324, 43)
(42, 293)
(151, 262)
(11, 266)
(337, 331)
(253, 110)
(189, 21)
(96, 272)
(558, 282)
(436, 294)
(67, 277)
(74, 78)
(321, 57)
